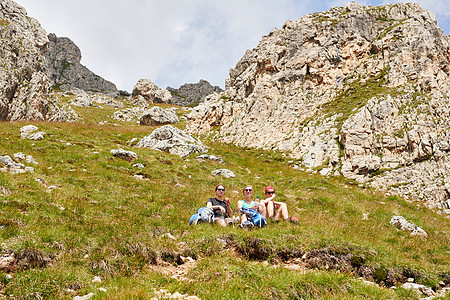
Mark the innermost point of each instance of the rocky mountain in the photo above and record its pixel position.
(192, 93)
(358, 91)
(64, 68)
(24, 86)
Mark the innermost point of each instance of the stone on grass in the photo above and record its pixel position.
(37, 136)
(85, 297)
(28, 129)
(209, 157)
(172, 140)
(158, 116)
(419, 288)
(223, 172)
(401, 223)
(123, 154)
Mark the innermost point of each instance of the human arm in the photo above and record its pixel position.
(267, 200)
(215, 207)
(229, 211)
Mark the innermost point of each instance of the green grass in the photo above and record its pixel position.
(102, 221)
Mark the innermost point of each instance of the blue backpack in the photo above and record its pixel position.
(254, 216)
(203, 214)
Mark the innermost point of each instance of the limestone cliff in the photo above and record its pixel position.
(24, 86)
(359, 91)
(65, 70)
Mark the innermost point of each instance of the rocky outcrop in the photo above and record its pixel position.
(24, 86)
(359, 91)
(146, 90)
(64, 68)
(193, 93)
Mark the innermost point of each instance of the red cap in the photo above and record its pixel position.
(269, 188)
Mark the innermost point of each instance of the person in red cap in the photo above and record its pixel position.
(274, 209)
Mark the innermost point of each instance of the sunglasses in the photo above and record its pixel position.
(248, 190)
(270, 192)
(223, 190)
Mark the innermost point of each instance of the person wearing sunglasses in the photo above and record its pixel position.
(275, 210)
(248, 202)
(221, 206)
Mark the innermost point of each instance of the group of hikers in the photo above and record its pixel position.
(267, 208)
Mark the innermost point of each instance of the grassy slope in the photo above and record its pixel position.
(101, 221)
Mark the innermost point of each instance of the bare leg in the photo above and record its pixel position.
(262, 209)
(282, 211)
(270, 209)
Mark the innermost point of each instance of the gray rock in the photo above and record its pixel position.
(36, 136)
(223, 172)
(128, 114)
(139, 101)
(158, 116)
(123, 154)
(172, 140)
(81, 100)
(13, 167)
(106, 100)
(28, 129)
(422, 289)
(24, 85)
(64, 68)
(401, 223)
(150, 92)
(8, 162)
(28, 158)
(192, 93)
(138, 166)
(209, 157)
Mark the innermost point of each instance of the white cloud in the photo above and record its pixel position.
(173, 42)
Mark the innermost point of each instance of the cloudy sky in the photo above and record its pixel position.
(173, 42)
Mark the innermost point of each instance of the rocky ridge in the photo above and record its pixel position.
(357, 91)
(192, 93)
(24, 86)
(64, 68)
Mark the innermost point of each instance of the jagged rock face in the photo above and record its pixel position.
(24, 86)
(359, 91)
(151, 93)
(65, 70)
(192, 93)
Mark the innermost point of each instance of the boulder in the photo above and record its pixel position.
(401, 223)
(158, 116)
(172, 140)
(123, 154)
(209, 157)
(151, 92)
(420, 288)
(223, 172)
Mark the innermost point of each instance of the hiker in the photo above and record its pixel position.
(274, 209)
(248, 202)
(221, 206)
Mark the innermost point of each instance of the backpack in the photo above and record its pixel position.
(254, 216)
(203, 214)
